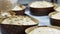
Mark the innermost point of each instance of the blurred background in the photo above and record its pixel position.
(29, 1)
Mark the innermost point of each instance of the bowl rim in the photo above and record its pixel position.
(45, 7)
(35, 20)
(52, 13)
(56, 7)
(24, 7)
(28, 30)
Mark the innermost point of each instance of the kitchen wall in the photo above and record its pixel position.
(28, 1)
(58, 2)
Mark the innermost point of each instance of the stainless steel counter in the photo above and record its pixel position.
(43, 20)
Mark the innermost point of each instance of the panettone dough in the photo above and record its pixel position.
(57, 9)
(6, 14)
(41, 4)
(19, 20)
(18, 8)
(56, 16)
(45, 30)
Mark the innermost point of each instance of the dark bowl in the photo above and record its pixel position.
(41, 11)
(15, 29)
(20, 12)
(55, 22)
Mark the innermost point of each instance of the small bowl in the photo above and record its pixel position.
(19, 12)
(28, 30)
(55, 22)
(16, 29)
(41, 11)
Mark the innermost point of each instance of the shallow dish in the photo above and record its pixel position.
(28, 30)
(16, 29)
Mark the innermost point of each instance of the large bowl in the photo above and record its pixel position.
(41, 11)
(28, 30)
(16, 29)
(53, 21)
